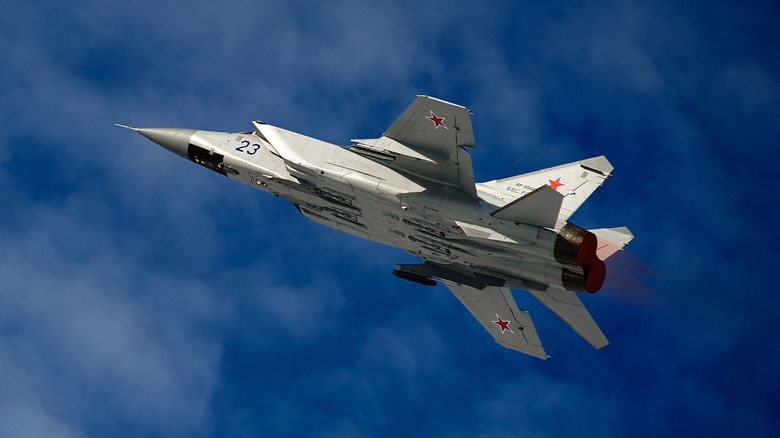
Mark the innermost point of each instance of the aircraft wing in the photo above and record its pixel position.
(495, 308)
(427, 140)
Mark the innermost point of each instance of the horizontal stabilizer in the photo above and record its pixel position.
(567, 305)
(539, 207)
(611, 240)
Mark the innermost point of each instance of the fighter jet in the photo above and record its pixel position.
(413, 188)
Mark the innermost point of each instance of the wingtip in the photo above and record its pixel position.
(599, 164)
(126, 127)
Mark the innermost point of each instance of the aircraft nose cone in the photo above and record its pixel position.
(175, 140)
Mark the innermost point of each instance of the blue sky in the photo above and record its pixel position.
(141, 295)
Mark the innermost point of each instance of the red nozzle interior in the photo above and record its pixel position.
(586, 254)
(595, 269)
(595, 276)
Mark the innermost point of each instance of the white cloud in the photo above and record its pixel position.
(119, 286)
(90, 337)
(28, 420)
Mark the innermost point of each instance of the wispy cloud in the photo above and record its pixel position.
(143, 295)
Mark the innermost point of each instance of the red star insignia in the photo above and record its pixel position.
(555, 183)
(437, 121)
(503, 324)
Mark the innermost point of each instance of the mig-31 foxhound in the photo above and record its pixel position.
(413, 188)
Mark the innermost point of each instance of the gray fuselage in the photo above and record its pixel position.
(348, 191)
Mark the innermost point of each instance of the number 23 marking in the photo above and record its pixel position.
(246, 144)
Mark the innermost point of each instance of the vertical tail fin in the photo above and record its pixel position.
(575, 181)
